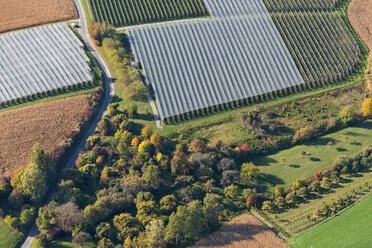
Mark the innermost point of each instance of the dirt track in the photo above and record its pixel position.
(242, 232)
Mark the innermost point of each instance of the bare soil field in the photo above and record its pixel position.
(46, 123)
(16, 14)
(243, 231)
(360, 16)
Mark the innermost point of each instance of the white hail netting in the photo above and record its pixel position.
(41, 59)
(235, 54)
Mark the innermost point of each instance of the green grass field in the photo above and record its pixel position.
(65, 242)
(352, 228)
(9, 238)
(286, 166)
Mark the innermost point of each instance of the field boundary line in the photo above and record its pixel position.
(269, 225)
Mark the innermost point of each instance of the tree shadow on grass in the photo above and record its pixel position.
(345, 180)
(340, 149)
(355, 134)
(266, 181)
(264, 161)
(135, 127)
(115, 98)
(356, 143)
(146, 117)
(313, 159)
(321, 141)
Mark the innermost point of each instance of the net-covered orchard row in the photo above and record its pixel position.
(215, 64)
(129, 12)
(319, 41)
(41, 60)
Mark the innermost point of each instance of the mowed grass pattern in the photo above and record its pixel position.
(129, 12)
(9, 238)
(287, 165)
(352, 228)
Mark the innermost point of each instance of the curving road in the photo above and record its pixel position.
(83, 31)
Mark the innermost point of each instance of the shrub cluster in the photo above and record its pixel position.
(132, 186)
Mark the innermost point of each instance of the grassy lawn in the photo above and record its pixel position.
(286, 166)
(352, 228)
(87, 12)
(65, 242)
(9, 238)
(294, 221)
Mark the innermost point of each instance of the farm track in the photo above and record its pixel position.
(83, 31)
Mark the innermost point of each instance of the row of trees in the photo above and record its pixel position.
(321, 183)
(117, 50)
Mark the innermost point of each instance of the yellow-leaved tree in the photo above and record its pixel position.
(367, 108)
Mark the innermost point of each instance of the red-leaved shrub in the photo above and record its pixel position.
(317, 176)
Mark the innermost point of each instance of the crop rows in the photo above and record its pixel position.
(299, 5)
(40, 60)
(318, 39)
(130, 12)
(199, 64)
(48, 124)
(27, 13)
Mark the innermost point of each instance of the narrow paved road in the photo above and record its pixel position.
(83, 31)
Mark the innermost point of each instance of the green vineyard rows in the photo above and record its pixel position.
(320, 43)
(130, 12)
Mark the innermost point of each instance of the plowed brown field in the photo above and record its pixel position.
(16, 14)
(360, 16)
(46, 123)
(242, 232)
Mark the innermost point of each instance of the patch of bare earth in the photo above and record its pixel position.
(48, 124)
(360, 16)
(16, 14)
(242, 232)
